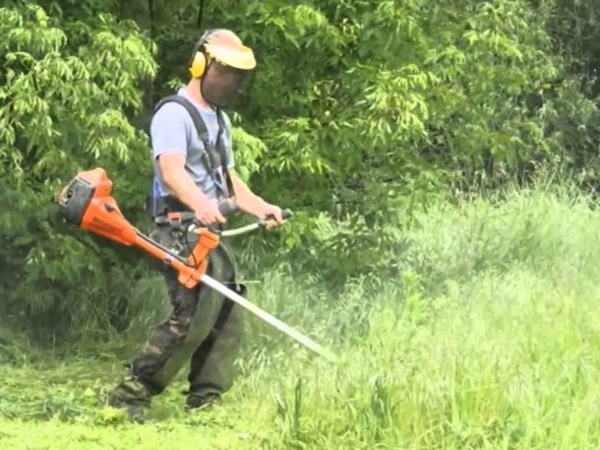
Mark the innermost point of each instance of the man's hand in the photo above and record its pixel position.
(207, 212)
(271, 210)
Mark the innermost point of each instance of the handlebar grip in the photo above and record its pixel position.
(226, 207)
(229, 207)
(285, 215)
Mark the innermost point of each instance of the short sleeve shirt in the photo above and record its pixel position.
(172, 130)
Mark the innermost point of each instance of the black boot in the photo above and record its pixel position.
(133, 396)
(201, 401)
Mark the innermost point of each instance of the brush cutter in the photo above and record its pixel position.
(88, 203)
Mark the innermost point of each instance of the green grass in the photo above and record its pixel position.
(489, 339)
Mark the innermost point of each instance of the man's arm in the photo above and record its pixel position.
(169, 143)
(250, 203)
(174, 175)
(245, 199)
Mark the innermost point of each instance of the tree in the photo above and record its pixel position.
(359, 113)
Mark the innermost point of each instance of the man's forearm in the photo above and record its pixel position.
(245, 199)
(184, 188)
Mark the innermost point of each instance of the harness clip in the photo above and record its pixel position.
(175, 220)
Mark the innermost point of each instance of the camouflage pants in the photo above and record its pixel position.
(204, 329)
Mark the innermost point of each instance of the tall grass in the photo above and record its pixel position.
(489, 339)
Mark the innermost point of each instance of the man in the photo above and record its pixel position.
(204, 328)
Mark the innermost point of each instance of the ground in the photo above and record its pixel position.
(488, 339)
(63, 407)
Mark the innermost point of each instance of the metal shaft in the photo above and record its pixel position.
(270, 319)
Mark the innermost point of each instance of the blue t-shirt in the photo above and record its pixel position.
(172, 130)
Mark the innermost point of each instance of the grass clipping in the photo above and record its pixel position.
(488, 340)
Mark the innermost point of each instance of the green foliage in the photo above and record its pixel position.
(66, 92)
(359, 117)
(573, 26)
(572, 117)
(474, 99)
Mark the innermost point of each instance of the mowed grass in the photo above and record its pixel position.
(487, 339)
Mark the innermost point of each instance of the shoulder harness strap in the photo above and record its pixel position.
(211, 158)
(201, 129)
(222, 148)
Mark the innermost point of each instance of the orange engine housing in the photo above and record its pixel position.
(88, 203)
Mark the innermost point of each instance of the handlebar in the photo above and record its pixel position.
(228, 207)
(285, 214)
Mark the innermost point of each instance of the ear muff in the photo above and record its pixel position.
(198, 62)
(198, 65)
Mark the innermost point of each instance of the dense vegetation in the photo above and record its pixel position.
(420, 144)
(395, 105)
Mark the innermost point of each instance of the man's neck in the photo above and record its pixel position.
(193, 91)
